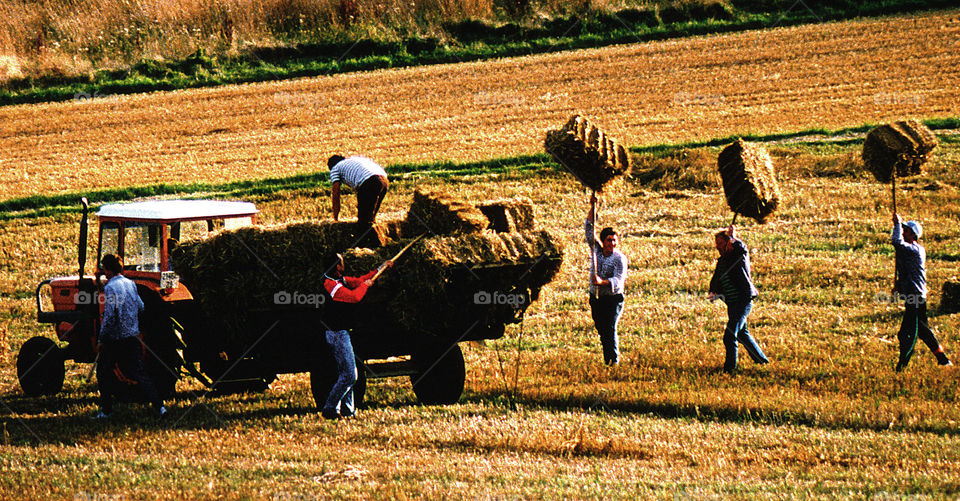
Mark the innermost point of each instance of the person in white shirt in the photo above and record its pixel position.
(367, 178)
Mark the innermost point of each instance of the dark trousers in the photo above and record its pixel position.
(370, 194)
(736, 331)
(606, 311)
(915, 325)
(127, 354)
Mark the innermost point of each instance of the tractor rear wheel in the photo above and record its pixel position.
(40, 367)
(323, 378)
(440, 374)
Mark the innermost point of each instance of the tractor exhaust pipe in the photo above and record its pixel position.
(82, 250)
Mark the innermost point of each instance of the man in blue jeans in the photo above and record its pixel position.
(338, 319)
(118, 343)
(608, 272)
(732, 284)
(911, 259)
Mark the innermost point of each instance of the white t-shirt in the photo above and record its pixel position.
(354, 171)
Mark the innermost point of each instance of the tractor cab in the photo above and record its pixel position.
(142, 234)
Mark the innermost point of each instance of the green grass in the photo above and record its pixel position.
(463, 41)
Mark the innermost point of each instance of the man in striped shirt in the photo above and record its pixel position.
(608, 272)
(911, 286)
(732, 284)
(367, 178)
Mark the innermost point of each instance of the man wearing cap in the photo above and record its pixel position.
(911, 287)
(367, 178)
(732, 284)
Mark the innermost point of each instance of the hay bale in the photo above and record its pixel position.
(749, 181)
(950, 300)
(509, 214)
(590, 155)
(904, 146)
(439, 213)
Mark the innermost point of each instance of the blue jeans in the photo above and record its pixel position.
(127, 355)
(340, 400)
(606, 311)
(737, 331)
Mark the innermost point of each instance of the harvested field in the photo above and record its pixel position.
(699, 88)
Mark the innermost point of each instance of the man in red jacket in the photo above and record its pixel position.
(338, 320)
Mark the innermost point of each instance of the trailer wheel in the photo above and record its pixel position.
(440, 375)
(40, 367)
(323, 378)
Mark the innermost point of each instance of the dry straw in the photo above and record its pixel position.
(749, 181)
(587, 152)
(902, 146)
(437, 288)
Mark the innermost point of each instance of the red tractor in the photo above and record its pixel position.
(142, 234)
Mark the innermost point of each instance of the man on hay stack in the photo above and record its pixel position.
(595, 159)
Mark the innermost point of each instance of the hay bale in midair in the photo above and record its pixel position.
(902, 146)
(950, 299)
(749, 181)
(509, 214)
(440, 213)
(587, 152)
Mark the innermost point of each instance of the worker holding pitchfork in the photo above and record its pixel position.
(911, 287)
(608, 272)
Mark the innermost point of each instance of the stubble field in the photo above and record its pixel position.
(827, 419)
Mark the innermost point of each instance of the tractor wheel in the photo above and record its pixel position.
(440, 375)
(40, 367)
(323, 378)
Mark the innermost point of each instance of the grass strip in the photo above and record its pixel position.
(68, 203)
(466, 41)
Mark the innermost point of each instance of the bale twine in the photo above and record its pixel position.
(749, 181)
(950, 299)
(904, 146)
(590, 155)
(439, 213)
(509, 214)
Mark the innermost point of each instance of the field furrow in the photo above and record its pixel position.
(832, 76)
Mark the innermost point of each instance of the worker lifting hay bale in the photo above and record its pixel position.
(900, 148)
(749, 180)
(950, 300)
(588, 153)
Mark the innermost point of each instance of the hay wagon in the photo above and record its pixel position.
(234, 304)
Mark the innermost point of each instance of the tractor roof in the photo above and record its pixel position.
(177, 210)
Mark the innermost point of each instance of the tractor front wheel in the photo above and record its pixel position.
(440, 374)
(40, 367)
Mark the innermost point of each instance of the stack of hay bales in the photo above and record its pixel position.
(749, 181)
(439, 213)
(236, 276)
(950, 300)
(509, 214)
(901, 147)
(594, 158)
